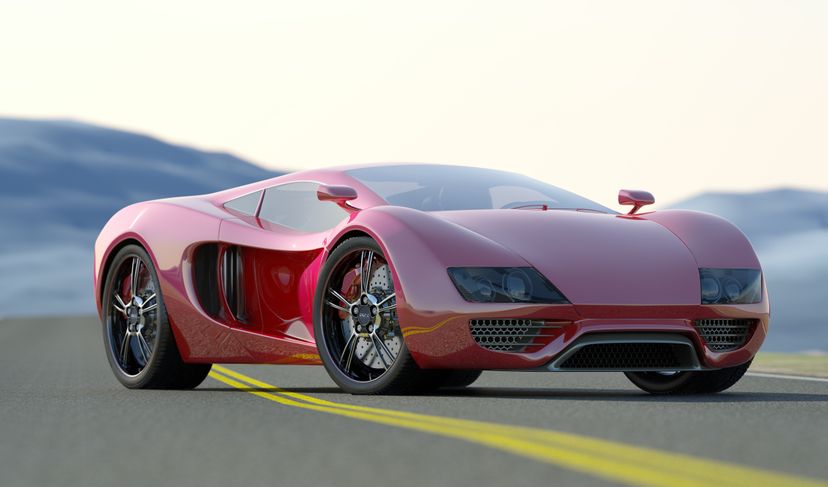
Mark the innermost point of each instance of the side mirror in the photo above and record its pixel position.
(340, 195)
(635, 198)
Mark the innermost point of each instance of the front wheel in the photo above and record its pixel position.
(701, 382)
(356, 326)
(139, 342)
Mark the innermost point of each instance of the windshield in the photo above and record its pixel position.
(436, 187)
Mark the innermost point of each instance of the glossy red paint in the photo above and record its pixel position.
(620, 273)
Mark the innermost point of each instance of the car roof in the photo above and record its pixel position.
(333, 176)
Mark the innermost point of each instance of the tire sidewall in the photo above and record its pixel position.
(343, 381)
(164, 333)
(654, 383)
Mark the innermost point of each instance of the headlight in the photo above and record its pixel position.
(504, 285)
(730, 286)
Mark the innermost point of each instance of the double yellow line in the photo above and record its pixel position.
(611, 460)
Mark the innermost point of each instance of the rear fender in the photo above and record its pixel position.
(169, 233)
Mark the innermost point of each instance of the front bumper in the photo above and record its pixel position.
(444, 340)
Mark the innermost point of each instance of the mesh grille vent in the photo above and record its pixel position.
(724, 335)
(624, 356)
(512, 335)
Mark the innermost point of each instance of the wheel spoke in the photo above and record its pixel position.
(366, 277)
(388, 308)
(339, 297)
(134, 276)
(353, 341)
(149, 308)
(144, 347)
(385, 348)
(125, 350)
(361, 268)
(376, 339)
(119, 304)
(347, 346)
(386, 299)
(334, 305)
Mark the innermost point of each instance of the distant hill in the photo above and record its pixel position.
(60, 181)
(789, 230)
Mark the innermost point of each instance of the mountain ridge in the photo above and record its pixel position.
(81, 174)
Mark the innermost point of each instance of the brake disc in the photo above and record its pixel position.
(380, 286)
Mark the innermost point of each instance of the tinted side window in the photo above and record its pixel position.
(295, 205)
(246, 204)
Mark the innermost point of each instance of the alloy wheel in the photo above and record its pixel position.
(132, 317)
(359, 316)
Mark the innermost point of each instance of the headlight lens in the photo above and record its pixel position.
(504, 285)
(730, 286)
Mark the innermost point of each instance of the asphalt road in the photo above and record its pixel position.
(65, 420)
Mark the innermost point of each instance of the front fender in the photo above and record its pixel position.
(716, 243)
(713, 241)
(420, 247)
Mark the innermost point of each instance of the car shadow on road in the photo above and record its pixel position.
(617, 395)
(621, 395)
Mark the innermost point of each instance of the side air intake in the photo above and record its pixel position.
(513, 334)
(232, 272)
(724, 335)
(205, 278)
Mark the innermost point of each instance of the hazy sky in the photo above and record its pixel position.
(673, 97)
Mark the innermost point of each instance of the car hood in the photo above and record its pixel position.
(594, 258)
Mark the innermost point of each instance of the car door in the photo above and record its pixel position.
(270, 257)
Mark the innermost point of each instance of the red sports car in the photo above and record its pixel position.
(406, 278)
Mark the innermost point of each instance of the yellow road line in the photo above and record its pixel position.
(614, 461)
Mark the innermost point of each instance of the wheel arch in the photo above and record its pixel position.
(124, 241)
(340, 239)
(369, 226)
(108, 263)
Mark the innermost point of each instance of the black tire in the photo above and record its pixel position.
(702, 382)
(402, 376)
(163, 369)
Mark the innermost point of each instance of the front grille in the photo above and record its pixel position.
(724, 335)
(513, 335)
(627, 356)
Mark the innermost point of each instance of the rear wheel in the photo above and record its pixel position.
(356, 326)
(139, 342)
(701, 382)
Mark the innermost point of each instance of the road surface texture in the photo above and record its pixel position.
(65, 420)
